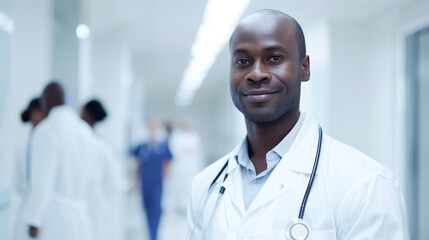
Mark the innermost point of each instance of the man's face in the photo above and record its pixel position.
(266, 71)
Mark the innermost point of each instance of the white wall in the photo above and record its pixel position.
(362, 85)
(112, 84)
(29, 71)
(367, 93)
(28, 64)
(315, 93)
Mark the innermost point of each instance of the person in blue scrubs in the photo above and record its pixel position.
(153, 159)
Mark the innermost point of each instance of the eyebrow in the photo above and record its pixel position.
(240, 50)
(274, 48)
(267, 49)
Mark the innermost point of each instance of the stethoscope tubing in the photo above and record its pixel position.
(313, 174)
(222, 189)
(221, 192)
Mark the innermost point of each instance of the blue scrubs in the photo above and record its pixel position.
(152, 157)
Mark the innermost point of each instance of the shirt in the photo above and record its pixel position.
(253, 183)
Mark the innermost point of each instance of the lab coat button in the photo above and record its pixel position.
(281, 186)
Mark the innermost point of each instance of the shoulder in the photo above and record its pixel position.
(350, 163)
(43, 129)
(350, 174)
(363, 190)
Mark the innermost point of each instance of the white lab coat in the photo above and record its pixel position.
(21, 187)
(188, 160)
(353, 197)
(63, 161)
(105, 199)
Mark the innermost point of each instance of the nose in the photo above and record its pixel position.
(259, 72)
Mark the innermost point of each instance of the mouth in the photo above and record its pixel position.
(259, 95)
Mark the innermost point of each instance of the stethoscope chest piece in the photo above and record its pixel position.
(297, 230)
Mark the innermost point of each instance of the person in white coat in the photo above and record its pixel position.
(63, 159)
(262, 189)
(105, 200)
(186, 148)
(21, 175)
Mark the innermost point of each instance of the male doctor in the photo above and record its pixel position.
(266, 176)
(64, 159)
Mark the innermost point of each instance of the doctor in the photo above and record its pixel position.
(62, 172)
(261, 185)
(21, 180)
(105, 199)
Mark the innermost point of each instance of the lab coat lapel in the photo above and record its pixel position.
(234, 185)
(299, 159)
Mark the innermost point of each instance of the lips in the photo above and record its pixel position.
(259, 95)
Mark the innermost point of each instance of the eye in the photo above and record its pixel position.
(275, 58)
(242, 62)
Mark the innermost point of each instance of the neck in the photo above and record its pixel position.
(261, 138)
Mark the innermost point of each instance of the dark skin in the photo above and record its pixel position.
(87, 117)
(36, 116)
(265, 80)
(53, 95)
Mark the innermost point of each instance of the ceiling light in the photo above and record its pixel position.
(220, 18)
(82, 31)
(6, 23)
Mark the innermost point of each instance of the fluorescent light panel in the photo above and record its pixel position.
(220, 18)
(6, 23)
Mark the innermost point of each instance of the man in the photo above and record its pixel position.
(62, 174)
(153, 160)
(259, 193)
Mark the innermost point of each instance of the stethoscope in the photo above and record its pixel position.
(295, 230)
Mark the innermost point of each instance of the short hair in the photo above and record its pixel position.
(96, 110)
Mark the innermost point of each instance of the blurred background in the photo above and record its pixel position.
(369, 82)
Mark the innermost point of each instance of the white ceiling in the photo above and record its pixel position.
(161, 32)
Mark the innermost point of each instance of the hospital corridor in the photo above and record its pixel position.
(146, 120)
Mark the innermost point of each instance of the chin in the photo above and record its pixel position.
(261, 117)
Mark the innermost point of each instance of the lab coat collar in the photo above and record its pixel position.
(300, 158)
(62, 110)
(232, 164)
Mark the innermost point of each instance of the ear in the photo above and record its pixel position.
(305, 69)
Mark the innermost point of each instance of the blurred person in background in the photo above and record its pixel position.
(104, 202)
(21, 176)
(153, 159)
(186, 147)
(63, 163)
